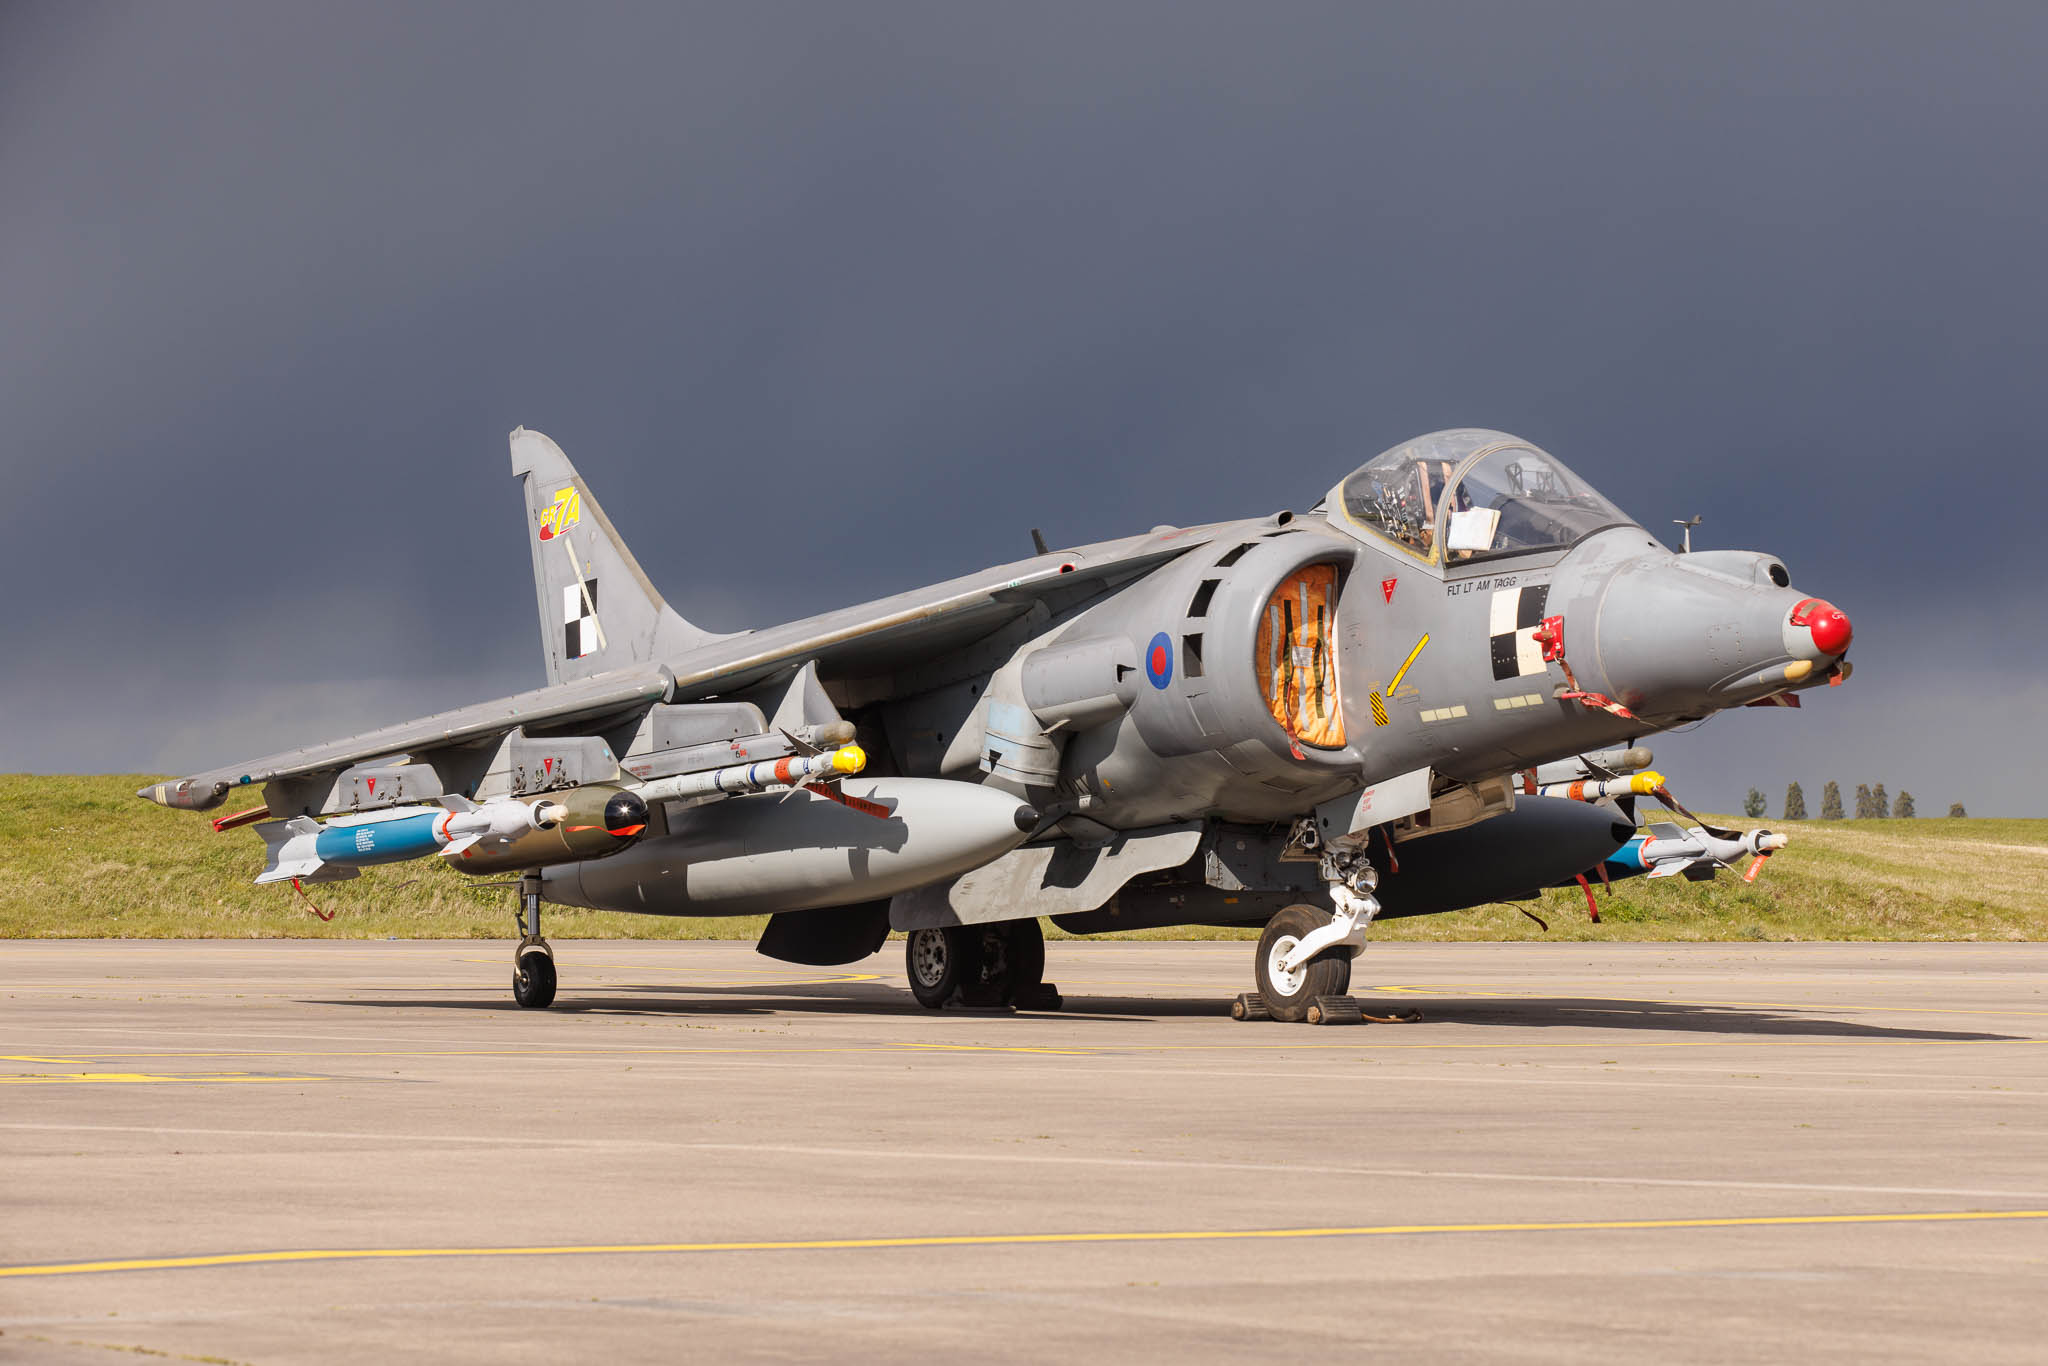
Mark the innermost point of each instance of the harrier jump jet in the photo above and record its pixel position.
(1299, 721)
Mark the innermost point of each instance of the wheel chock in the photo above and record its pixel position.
(1046, 997)
(1335, 1010)
(1249, 1005)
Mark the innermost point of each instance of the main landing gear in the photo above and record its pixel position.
(533, 962)
(980, 965)
(1304, 960)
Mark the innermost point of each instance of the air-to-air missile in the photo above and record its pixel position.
(1593, 789)
(508, 833)
(792, 771)
(1665, 849)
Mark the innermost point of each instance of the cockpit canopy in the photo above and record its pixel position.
(1466, 495)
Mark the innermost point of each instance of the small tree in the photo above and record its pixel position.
(1880, 804)
(1863, 801)
(1956, 809)
(1754, 804)
(1831, 801)
(1795, 803)
(1902, 809)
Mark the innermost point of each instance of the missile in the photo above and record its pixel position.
(1593, 789)
(1663, 850)
(505, 833)
(1600, 760)
(305, 849)
(795, 770)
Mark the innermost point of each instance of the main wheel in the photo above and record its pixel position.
(1288, 994)
(941, 962)
(1022, 983)
(533, 977)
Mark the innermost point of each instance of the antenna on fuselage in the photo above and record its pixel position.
(1688, 523)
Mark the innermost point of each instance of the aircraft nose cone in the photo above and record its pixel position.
(1827, 623)
(1678, 640)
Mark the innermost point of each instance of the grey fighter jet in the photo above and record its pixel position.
(1300, 721)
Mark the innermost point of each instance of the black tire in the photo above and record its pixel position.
(533, 978)
(1023, 976)
(1326, 974)
(941, 963)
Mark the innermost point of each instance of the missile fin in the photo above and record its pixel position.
(307, 870)
(455, 849)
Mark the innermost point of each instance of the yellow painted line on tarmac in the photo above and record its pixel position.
(30, 1057)
(1502, 1045)
(137, 1078)
(1105, 1051)
(998, 1048)
(1001, 1240)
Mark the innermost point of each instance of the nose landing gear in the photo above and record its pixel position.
(1304, 958)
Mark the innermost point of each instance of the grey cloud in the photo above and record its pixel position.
(274, 284)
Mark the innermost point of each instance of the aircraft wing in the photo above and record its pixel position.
(605, 695)
(874, 638)
(910, 629)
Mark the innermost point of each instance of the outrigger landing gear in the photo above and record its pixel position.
(980, 965)
(1305, 954)
(533, 962)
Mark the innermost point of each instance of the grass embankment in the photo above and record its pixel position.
(81, 857)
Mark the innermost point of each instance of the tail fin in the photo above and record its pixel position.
(598, 610)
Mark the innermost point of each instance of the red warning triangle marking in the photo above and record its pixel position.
(1387, 588)
(372, 784)
(548, 765)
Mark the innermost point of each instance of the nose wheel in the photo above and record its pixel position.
(1290, 992)
(533, 962)
(1304, 959)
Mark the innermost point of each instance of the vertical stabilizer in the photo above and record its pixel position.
(598, 609)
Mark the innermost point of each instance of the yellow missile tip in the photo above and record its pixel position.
(849, 759)
(1798, 669)
(1646, 782)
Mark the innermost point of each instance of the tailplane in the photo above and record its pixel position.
(598, 609)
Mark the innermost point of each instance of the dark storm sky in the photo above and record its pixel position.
(829, 300)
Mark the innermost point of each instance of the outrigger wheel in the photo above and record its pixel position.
(979, 965)
(533, 974)
(533, 962)
(1288, 995)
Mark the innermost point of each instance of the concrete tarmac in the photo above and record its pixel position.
(347, 1151)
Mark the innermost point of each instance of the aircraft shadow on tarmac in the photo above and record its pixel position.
(867, 998)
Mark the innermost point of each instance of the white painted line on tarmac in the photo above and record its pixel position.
(1310, 1169)
(914, 1155)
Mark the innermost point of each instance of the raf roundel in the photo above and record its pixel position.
(1159, 660)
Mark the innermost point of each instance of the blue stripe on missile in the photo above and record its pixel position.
(1630, 856)
(378, 842)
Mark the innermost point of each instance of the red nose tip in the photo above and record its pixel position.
(1828, 624)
